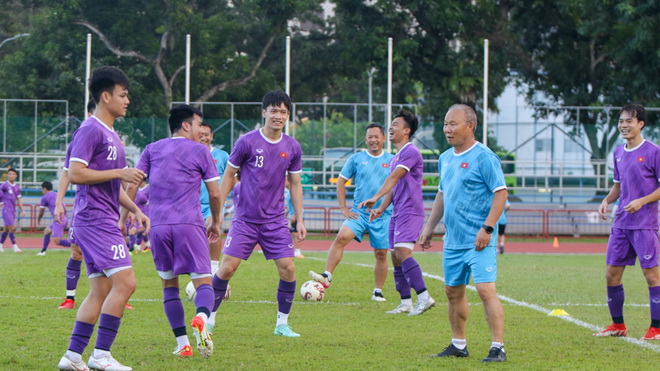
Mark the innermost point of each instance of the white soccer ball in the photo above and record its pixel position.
(191, 292)
(312, 290)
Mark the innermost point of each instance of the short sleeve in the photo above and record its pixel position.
(491, 173)
(84, 145)
(408, 159)
(44, 202)
(616, 167)
(296, 159)
(18, 191)
(239, 154)
(348, 171)
(207, 167)
(144, 163)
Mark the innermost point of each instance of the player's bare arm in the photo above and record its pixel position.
(341, 198)
(79, 173)
(61, 192)
(499, 200)
(127, 203)
(637, 204)
(437, 212)
(611, 197)
(377, 213)
(389, 184)
(41, 214)
(297, 201)
(227, 183)
(213, 230)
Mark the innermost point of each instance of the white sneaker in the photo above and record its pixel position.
(16, 249)
(402, 308)
(422, 307)
(378, 297)
(323, 280)
(67, 364)
(41, 253)
(106, 363)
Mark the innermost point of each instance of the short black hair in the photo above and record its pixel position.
(204, 123)
(374, 125)
(410, 119)
(104, 79)
(91, 106)
(637, 111)
(12, 169)
(180, 114)
(276, 98)
(47, 185)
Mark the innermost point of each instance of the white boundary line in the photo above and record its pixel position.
(132, 300)
(535, 307)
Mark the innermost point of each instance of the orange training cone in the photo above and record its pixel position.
(555, 243)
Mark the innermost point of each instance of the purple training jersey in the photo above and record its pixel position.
(49, 201)
(407, 193)
(176, 167)
(142, 200)
(10, 193)
(99, 148)
(264, 164)
(637, 170)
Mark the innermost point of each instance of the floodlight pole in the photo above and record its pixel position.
(389, 91)
(287, 76)
(485, 107)
(88, 69)
(188, 42)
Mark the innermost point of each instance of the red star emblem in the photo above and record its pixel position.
(464, 165)
(641, 159)
(215, 161)
(385, 165)
(283, 154)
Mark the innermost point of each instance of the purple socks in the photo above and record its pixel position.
(285, 293)
(72, 274)
(615, 299)
(82, 331)
(174, 310)
(204, 299)
(44, 246)
(219, 290)
(108, 327)
(401, 284)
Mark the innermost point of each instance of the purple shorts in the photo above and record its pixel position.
(405, 228)
(180, 248)
(274, 238)
(57, 228)
(626, 245)
(103, 247)
(8, 216)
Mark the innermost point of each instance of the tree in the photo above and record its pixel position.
(588, 53)
(438, 54)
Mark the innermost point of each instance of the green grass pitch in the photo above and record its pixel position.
(347, 331)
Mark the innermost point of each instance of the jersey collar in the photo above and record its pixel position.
(636, 147)
(466, 151)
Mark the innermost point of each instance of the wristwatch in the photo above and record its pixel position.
(488, 228)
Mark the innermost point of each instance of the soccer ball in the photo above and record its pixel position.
(312, 290)
(191, 292)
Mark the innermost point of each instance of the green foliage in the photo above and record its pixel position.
(346, 331)
(588, 53)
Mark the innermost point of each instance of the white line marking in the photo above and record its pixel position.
(535, 307)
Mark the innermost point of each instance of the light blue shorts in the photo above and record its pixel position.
(206, 210)
(459, 265)
(377, 229)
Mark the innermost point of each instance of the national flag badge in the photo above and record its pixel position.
(464, 165)
(641, 159)
(284, 155)
(385, 165)
(215, 161)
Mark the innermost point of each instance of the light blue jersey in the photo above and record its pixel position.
(502, 219)
(468, 182)
(368, 174)
(220, 159)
